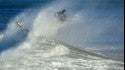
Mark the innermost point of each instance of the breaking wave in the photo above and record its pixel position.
(39, 48)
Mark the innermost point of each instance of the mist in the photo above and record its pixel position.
(95, 24)
(89, 22)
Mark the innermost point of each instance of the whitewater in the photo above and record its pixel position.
(40, 50)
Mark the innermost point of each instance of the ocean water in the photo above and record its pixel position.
(48, 54)
(86, 41)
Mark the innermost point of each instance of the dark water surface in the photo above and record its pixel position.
(8, 9)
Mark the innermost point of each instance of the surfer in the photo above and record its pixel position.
(61, 15)
(21, 26)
